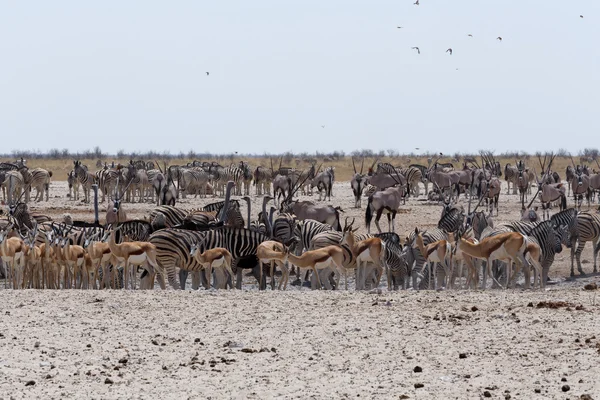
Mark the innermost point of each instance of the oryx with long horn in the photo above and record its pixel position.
(358, 183)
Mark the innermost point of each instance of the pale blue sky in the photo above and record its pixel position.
(131, 75)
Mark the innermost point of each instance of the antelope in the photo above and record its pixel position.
(365, 251)
(214, 258)
(459, 258)
(74, 258)
(135, 254)
(49, 273)
(274, 253)
(508, 246)
(357, 184)
(100, 256)
(325, 257)
(387, 201)
(33, 260)
(579, 184)
(549, 192)
(436, 252)
(12, 251)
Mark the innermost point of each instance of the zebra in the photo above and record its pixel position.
(218, 206)
(193, 180)
(424, 179)
(283, 228)
(84, 178)
(570, 174)
(262, 181)
(73, 184)
(13, 185)
(585, 227)
(395, 260)
(41, 182)
(511, 173)
(415, 257)
(246, 176)
(108, 180)
(413, 176)
(240, 242)
(173, 252)
(452, 219)
(173, 216)
(545, 235)
(324, 181)
(235, 174)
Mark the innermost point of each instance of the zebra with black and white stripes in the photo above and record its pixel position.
(262, 181)
(246, 176)
(583, 227)
(546, 236)
(413, 176)
(193, 181)
(415, 257)
(452, 219)
(511, 175)
(40, 181)
(84, 178)
(13, 185)
(424, 179)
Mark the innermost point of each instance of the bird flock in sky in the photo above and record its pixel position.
(416, 3)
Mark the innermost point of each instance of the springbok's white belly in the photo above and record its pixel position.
(324, 264)
(500, 254)
(138, 259)
(365, 256)
(219, 262)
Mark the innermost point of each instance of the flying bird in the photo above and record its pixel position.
(417, 148)
(449, 51)
(207, 73)
(499, 38)
(581, 16)
(322, 126)
(417, 49)
(416, 3)
(469, 35)
(399, 27)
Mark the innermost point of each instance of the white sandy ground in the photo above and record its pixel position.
(327, 344)
(320, 345)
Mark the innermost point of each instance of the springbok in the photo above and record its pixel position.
(12, 251)
(316, 260)
(370, 250)
(218, 257)
(274, 253)
(508, 246)
(100, 255)
(434, 253)
(135, 254)
(74, 259)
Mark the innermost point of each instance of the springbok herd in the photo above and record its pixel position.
(314, 241)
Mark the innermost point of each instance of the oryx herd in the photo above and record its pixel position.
(295, 233)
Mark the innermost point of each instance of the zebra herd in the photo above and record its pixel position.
(171, 243)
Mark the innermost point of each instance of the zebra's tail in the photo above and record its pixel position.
(50, 174)
(369, 212)
(563, 202)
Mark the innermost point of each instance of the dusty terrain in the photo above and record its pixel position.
(300, 343)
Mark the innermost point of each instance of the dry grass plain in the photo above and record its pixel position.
(301, 343)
